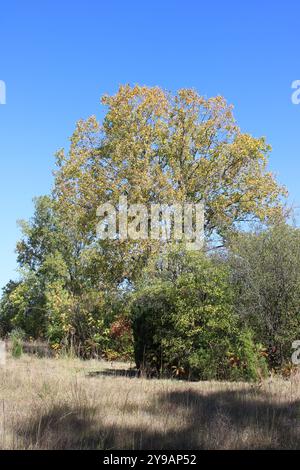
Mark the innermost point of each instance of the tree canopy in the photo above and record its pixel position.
(153, 146)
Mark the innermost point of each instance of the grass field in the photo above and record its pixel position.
(73, 404)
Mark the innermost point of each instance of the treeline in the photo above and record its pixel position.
(226, 313)
(229, 313)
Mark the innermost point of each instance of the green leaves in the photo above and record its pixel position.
(189, 324)
(155, 147)
(266, 276)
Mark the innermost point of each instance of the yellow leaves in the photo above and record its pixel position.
(155, 147)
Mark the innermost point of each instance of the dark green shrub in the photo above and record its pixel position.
(186, 327)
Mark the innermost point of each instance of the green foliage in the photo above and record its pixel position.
(187, 311)
(65, 294)
(17, 337)
(89, 323)
(7, 308)
(155, 146)
(23, 306)
(187, 326)
(266, 277)
(188, 314)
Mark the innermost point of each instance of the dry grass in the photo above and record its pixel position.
(69, 404)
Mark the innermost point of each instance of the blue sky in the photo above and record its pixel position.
(58, 57)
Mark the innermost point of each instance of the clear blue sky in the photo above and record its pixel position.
(58, 57)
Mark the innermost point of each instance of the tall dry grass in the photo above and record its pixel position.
(71, 404)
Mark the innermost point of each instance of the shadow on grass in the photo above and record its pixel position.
(226, 419)
(63, 427)
(130, 373)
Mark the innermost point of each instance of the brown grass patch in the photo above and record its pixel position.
(71, 404)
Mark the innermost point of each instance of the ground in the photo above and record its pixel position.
(67, 403)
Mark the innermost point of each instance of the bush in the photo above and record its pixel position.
(17, 337)
(186, 326)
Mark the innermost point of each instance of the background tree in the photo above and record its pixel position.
(66, 293)
(266, 276)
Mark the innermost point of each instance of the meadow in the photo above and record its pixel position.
(68, 403)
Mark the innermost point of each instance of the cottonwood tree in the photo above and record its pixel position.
(153, 146)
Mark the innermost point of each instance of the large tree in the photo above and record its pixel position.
(156, 147)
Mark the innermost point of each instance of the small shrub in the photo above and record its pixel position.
(17, 337)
